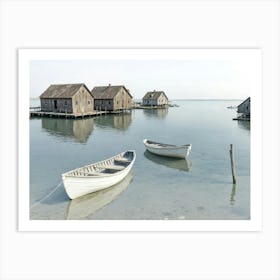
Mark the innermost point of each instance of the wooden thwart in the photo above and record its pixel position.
(122, 160)
(114, 167)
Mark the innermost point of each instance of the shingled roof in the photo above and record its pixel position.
(248, 99)
(153, 95)
(107, 92)
(62, 91)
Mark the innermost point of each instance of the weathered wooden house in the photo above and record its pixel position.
(67, 98)
(111, 98)
(155, 98)
(244, 109)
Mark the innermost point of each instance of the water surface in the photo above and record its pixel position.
(157, 187)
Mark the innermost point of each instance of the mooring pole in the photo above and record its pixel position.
(232, 164)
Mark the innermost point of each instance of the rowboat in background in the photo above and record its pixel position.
(98, 176)
(167, 149)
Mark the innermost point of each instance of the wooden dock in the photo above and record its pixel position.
(241, 119)
(36, 112)
(150, 107)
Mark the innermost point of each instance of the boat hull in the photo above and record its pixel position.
(169, 151)
(76, 186)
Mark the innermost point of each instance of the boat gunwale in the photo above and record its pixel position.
(99, 174)
(157, 145)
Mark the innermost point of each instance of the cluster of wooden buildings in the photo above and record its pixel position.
(78, 99)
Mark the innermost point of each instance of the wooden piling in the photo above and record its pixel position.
(232, 164)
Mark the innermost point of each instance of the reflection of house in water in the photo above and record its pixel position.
(157, 113)
(244, 125)
(118, 121)
(75, 129)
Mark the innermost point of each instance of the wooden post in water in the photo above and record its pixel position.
(232, 164)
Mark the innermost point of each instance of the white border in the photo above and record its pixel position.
(26, 55)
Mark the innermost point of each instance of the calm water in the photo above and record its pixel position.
(157, 187)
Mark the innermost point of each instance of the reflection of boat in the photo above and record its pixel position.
(119, 121)
(175, 163)
(79, 130)
(167, 149)
(98, 176)
(88, 204)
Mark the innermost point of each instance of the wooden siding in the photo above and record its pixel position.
(244, 107)
(122, 101)
(61, 105)
(162, 100)
(150, 102)
(82, 101)
(103, 104)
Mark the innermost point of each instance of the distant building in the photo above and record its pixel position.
(67, 98)
(155, 98)
(243, 109)
(111, 98)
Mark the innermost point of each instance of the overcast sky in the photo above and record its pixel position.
(180, 79)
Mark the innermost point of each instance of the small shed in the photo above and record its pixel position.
(243, 109)
(155, 98)
(67, 98)
(111, 98)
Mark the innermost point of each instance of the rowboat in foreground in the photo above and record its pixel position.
(98, 176)
(167, 149)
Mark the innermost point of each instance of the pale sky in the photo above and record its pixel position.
(180, 79)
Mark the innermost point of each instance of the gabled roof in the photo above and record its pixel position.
(62, 91)
(107, 92)
(153, 95)
(244, 101)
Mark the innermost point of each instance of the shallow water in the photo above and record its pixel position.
(157, 187)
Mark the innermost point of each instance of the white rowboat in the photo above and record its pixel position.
(167, 149)
(98, 176)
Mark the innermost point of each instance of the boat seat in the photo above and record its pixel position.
(114, 167)
(82, 173)
(122, 160)
(93, 173)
